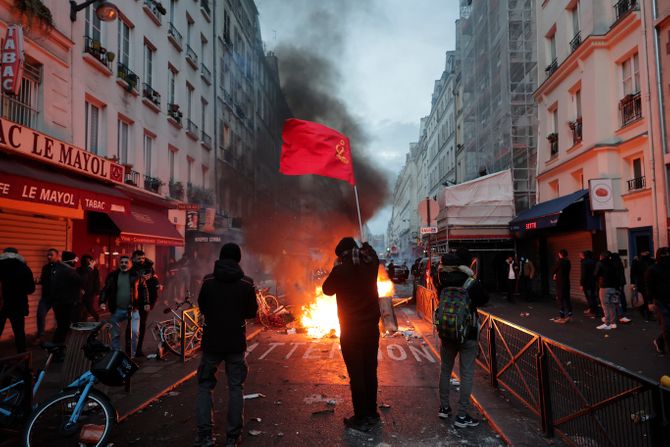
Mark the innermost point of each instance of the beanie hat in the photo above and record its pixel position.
(346, 244)
(230, 251)
(68, 256)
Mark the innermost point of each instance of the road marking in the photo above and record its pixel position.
(272, 347)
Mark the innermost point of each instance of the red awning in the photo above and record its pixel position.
(144, 225)
(23, 182)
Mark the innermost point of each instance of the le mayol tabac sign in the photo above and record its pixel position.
(26, 141)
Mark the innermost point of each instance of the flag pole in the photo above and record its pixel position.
(358, 208)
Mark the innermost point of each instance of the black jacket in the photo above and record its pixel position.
(355, 287)
(108, 294)
(226, 299)
(606, 274)
(657, 281)
(562, 272)
(588, 277)
(65, 285)
(17, 283)
(90, 281)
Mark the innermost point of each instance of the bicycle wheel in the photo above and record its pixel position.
(49, 423)
(171, 336)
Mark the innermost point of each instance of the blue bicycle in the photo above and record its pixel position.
(80, 414)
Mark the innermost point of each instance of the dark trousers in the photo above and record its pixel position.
(592, 301)
(87, 308)
(511, 288)
(360, 356)
(18, 326)
(663, 317)
(236, 370)
(64, 315)
(42, 310)
(564, 302)
(143, 328)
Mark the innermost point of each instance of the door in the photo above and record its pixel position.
(640, 240)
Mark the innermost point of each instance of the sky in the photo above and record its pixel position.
(390, 52)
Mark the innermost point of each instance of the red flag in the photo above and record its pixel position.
(311, 148)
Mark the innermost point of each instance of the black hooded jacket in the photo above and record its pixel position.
(226, 299)
(17, 283)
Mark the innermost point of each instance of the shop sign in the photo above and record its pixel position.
(31, 190)
(12, 60)
(601, 195)
(28, 142)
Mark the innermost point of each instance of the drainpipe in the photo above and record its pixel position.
(651, 127)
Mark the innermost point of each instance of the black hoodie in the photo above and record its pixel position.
(226, 299)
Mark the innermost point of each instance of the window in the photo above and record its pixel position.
(148, 144)
(148, 64)
(124, 43)
(93, 24)
(172, 75)
(91, 117)
(122, 147)
(630, 70)
(171, 157)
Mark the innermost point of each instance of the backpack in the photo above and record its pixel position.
(453, 316)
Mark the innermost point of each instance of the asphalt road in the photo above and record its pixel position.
(298, 376)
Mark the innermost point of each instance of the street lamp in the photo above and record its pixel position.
(106, 11)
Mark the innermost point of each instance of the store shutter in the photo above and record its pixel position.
(32, 236)
(574, 243)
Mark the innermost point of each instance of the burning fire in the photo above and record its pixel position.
(320, 317)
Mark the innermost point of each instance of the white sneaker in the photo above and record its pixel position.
(605, 327)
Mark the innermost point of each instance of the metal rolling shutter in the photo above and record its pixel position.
(574, 243)
(32, 236)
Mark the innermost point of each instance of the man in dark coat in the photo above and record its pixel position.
(148, 287)
(90, 284)
(226, 299)
(17, 283)
(46, 301)
(657, 279)
(587, 283)
(353, 280)
(66, 293)
(561, 274)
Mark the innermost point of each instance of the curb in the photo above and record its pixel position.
(171, 387)
(494, 425)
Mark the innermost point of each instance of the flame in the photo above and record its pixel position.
(320, 317)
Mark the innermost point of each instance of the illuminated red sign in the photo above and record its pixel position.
(531, 226)
(12, 60)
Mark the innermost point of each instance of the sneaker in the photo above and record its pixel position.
(465, 421)
(624, 320)
(656, 346)
(445, 412)
(604, 327)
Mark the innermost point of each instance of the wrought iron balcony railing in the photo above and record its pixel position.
(630, 108)
(637, 183)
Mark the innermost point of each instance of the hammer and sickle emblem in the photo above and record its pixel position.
(339, 152)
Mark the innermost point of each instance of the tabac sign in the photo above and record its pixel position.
(26, 141)
(12, 60)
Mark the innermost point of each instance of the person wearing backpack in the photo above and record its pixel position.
(456, 321)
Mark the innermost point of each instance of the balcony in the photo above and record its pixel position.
(131, 177)
(98, 52)
(630, 108)
(206, 139)
(191, 129)
(576, 41)
(205, 74)
(551, 68)
(126, 75)
(623, 7)
(637, 183)
(576, 127)
(174, 113)
(176, 190)
(175, 37)
(152, 184)
(155, 10)
(152, 95)
(553, 144)
(191, 57)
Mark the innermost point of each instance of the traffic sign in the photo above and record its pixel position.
(428, 230)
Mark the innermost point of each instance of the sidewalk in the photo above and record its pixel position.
(628, 346)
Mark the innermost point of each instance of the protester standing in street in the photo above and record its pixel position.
(512, 277)
(353, 280)
(454, 272)
(46, 301)
(561, 274)
(121, 295)
(638, 270)
(588, 284)
(608, 282)
(148, 289)
(66, 293)
(657, 279)
(90, 284)
(226, 299)
(16, 283)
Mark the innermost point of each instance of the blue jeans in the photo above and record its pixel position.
(118, 316)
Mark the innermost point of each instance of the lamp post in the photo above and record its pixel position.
(106, 11)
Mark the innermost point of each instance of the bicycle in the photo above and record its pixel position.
(268, 309)
(169, 331)
(80, 413)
